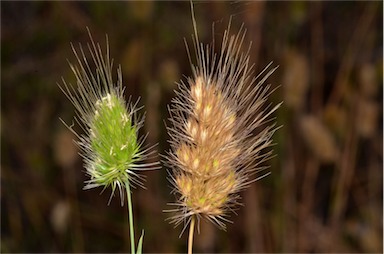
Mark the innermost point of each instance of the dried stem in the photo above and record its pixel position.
(191, 231)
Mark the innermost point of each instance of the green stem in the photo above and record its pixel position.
(191, 231)
(130, 215)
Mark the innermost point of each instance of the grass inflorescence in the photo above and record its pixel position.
(221, 129)
(112, 150)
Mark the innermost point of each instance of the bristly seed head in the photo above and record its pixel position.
(215, 151)
(112, 152)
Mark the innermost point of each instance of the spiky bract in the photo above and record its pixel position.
(112, 151)
(219, 131)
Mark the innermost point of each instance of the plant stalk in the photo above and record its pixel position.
(191, 231)
(130, 216)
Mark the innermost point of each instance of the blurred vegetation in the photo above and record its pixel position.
(325, 191)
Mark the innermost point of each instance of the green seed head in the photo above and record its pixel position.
(112, 151)
(113, 141)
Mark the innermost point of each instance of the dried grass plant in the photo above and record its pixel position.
(221, 130)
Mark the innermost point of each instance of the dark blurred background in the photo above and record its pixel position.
(325, 190)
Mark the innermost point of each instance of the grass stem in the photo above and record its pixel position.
(130, 216)
(190, 238)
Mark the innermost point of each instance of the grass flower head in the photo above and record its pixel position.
(111, 148)
(220, 129)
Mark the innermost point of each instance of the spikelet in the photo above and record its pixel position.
(219, 130)
(112, 151)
